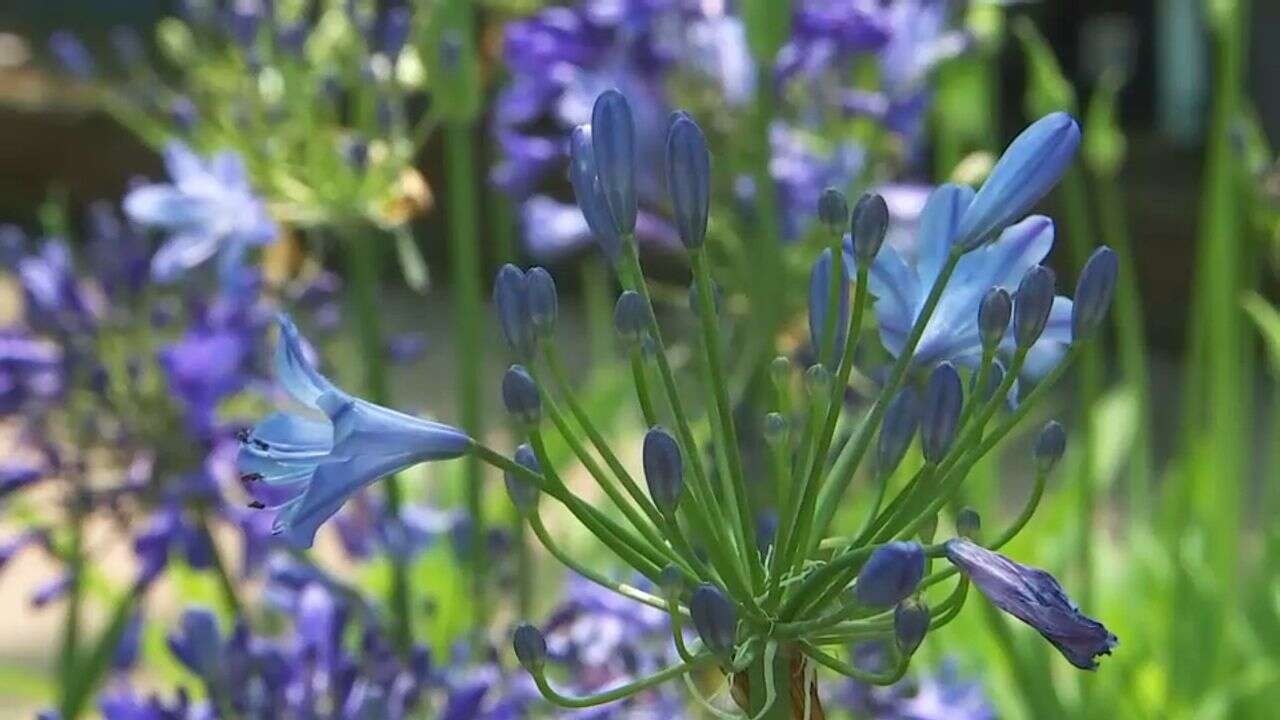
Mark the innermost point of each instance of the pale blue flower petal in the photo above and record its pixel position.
(294, 371)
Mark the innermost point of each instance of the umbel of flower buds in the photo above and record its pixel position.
(523, 493)
(530, 647)
(1031, 305)
(688, 179)
(520, 395)
(869, 225)
(890, 575)
(543, 302)
(663, 469)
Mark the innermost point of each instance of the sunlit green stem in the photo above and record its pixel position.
(617, 693)
(848, 670)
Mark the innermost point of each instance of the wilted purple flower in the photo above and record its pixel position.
(1034, 597)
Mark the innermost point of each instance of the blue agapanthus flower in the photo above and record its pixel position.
(208, 209)
(305, 468)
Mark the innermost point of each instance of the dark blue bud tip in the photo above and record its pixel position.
(715, 620)
(671, 582)
(524, 494)
(775, 428)
(818, 381)
(663, 469)
(833, 210)
(869, 226)
(530, 647)
(631, 317)
(543, 301)
(1031, 305)
(613, 143)
(940, 415)
(780, 371)
(511, 296)
(994, 313)
(688, 179)
(968, 523)
(910, 623)
(1093, 292)
(520, 395)
(1051, 443)
(890, 575)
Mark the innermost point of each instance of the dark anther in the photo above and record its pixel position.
(250, 477)
(257, 505)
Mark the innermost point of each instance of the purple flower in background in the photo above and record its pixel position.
(940, 695)
(212, 360)
(71, 53)
(56, 301)
(207, 209)
(305, 469)
(31, 372)
(1036, 598)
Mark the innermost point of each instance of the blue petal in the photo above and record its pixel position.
(181, 253)
(1048, 350)
(1029, 168)
(294, 370)
(166, 206)
(897, 291)
(183, 164)
(938, 223)
(362, 428)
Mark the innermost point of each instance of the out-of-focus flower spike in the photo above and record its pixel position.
(520, 395)
(663, 469)
(890, 575)
(896, 432)
(994, 313)
(833, 210)
(531, 648)
(715, 620)
(940, 412)
(631, 317)
(543, 301)
(1051, 443)
(828, 350)
(689, 179)
(1028, 169)
(589, 193)
(869, 225)
(910, 623)
(1093, 292)
(524, 494)
(613, 137)
(1031, 305)
(511, 296)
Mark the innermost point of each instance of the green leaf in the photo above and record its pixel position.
(1104, 143)
(1267, 319)
(1048, 89)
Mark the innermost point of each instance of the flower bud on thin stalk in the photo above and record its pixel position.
(688, 179)
(613, 142)
(511, 296)
(891, 574)
(910, 623)
(523, 493)
(589, 193)
(530, 647)
(940, 413)
(1032, 304)
(826, 333)
(896, 432)
(715, 620)
(994, 313)
(869, 226)
(968, 523)
(833, 211)
(1093, 292)
(631, 317)
(520, 395)
(663, 469)
(1051, 443)
(543, 301)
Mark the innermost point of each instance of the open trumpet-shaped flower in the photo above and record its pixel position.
(901, 287)
(1034, 597)
(307, 468)
(208, 209)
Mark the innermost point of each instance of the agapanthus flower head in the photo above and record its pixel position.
(952, 333)
(1036, 598)
(208, 208)
(306, 468)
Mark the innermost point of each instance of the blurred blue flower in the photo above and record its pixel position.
(211, 361)
(901, 287)
(306, 469)
(207, 209)
(938, 695)
(31, 372)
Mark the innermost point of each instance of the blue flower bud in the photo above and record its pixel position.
(715, 620)
(589, 193)
(780, 371)
(870, 224)
(70, 52)
(671, 582)
(520, 395)
(833, 210)
(394, 31)
(890, 575)
(940, 412)
(775, 428)
(631, 316)
(910, 623)
(688, 179)
(995, 376)
(829, 353)
(663, 469)
(994, 313)
(1031, 305)
(530, 647)
(523, 493)
(511, 295)
(1029, 168)
(896, 431)
(543, 301)
(1093, 292)
(1051, 443)
(613, 138)
(968, 523)
(817, 380)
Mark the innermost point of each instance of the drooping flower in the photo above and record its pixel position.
(208, 209)
(1036, 598)
(306, 468)
(901, 287)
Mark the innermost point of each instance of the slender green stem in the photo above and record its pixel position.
(642, 388)
(617, 693)
(75, 568)
(226, 584)
(886, 678)
(1036, 692)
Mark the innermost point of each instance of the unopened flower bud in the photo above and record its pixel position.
(663, 469)
(869, 227)
(890, 575)
(688, 179)
(1031, 305)
(631, 317)
(833, 210)
(940, 412)
(994, 313)
(1093, 292)
(589, 193)
(715, 620)
(910, 623)
(614, 144)
(896, 431)
(511, 296)
(671, 582)
(530, 647)
(780, 371)
(520, 395)
(523, 493)
(543, 302)
(817, 379)
(968, 523)
(775, 428)
(1050, 445)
